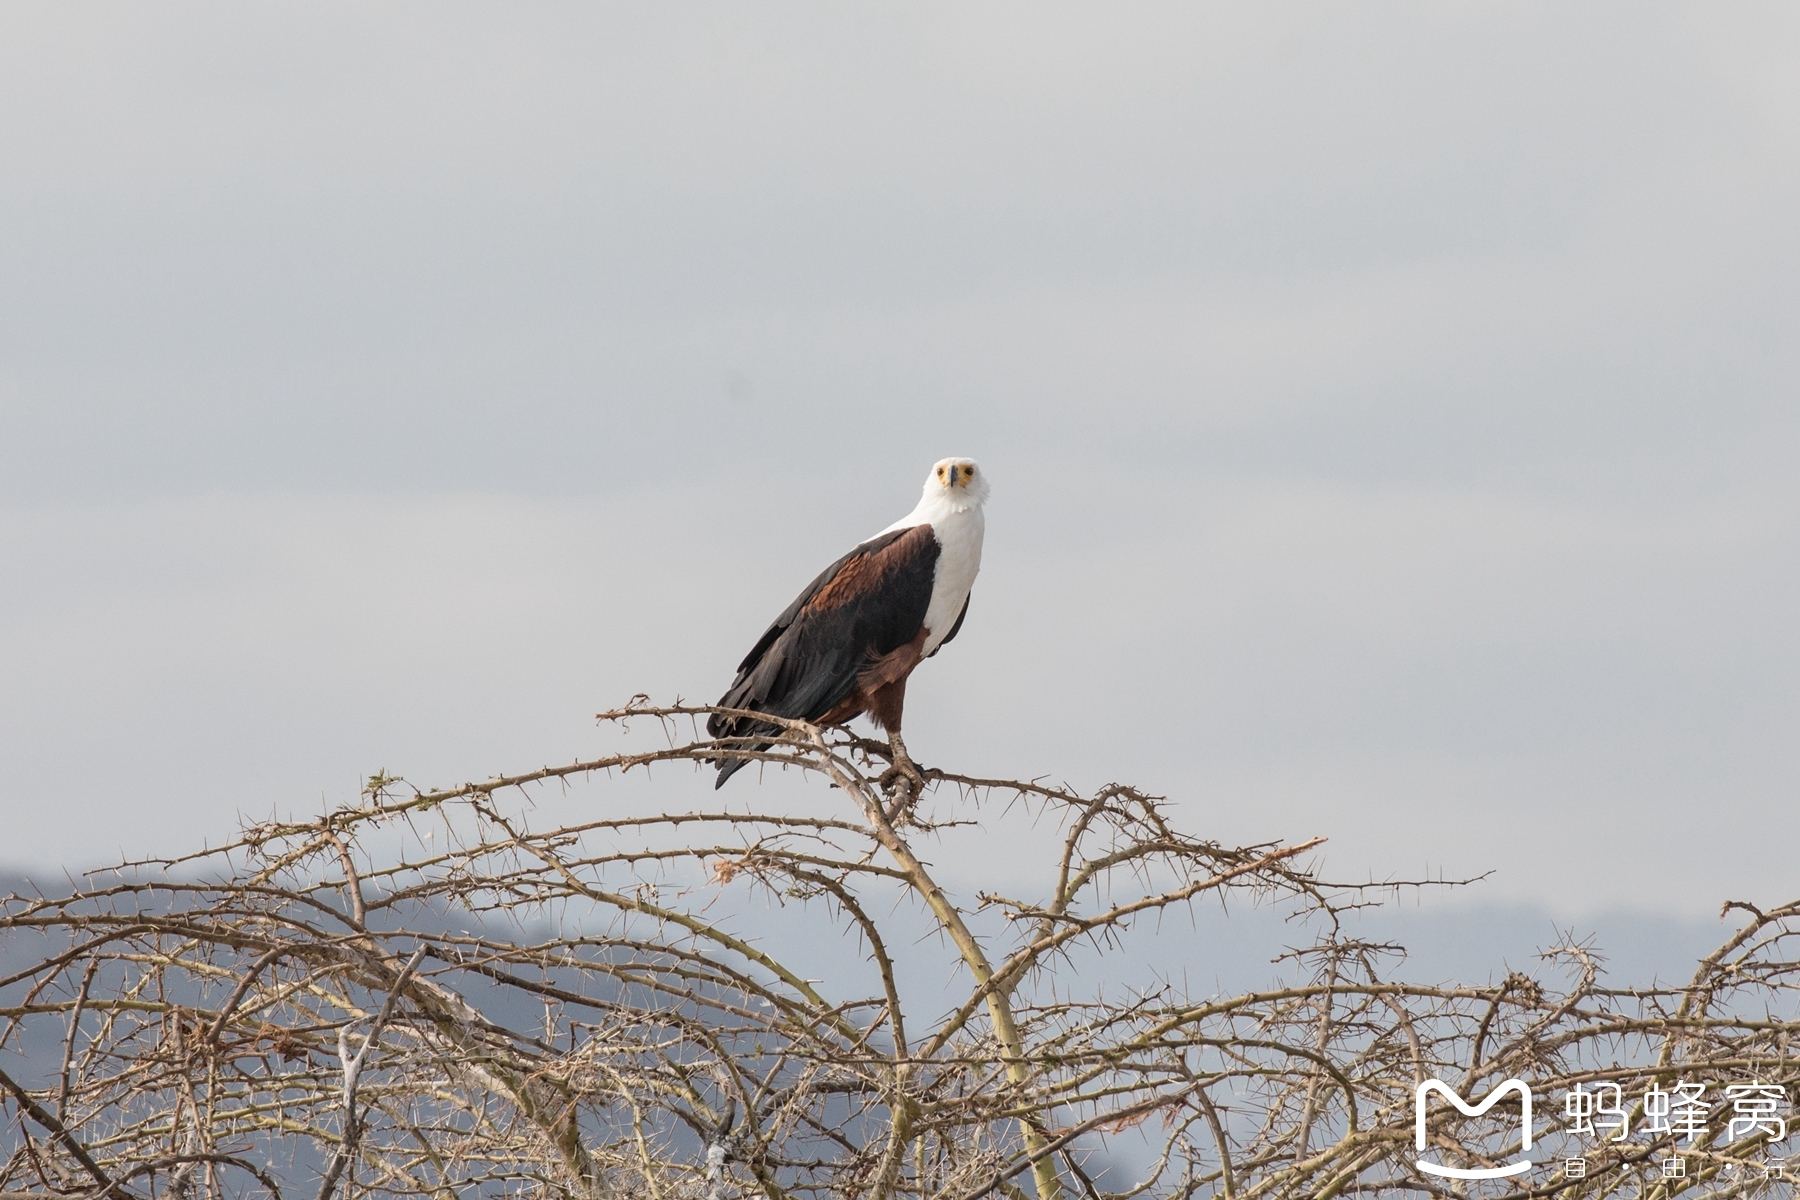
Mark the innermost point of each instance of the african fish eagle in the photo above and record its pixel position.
(846, 644)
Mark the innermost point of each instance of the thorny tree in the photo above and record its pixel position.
(421, 995)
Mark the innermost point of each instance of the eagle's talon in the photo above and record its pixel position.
(904, 764)
(903, 782)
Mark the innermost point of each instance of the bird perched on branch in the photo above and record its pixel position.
(846, 645)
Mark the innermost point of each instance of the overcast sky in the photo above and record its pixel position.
(1391, 410)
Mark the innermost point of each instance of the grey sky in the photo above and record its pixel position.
(1391, 410)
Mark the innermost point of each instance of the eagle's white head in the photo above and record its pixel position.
(957, 484)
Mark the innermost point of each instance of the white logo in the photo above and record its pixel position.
(1471, 1110)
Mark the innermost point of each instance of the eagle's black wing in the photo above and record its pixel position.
(866, 604)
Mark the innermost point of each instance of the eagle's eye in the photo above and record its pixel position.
(969, 471)
(940, 472)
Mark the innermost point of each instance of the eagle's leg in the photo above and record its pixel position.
(886, 707)
(903, 781)
(902, 768)
(903, 762)
(887, 704)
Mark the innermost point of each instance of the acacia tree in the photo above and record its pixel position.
(421, 994)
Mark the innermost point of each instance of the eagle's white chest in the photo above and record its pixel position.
(959, 561)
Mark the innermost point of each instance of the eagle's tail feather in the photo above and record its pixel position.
(731, 766)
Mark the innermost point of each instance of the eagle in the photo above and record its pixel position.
(846, 645)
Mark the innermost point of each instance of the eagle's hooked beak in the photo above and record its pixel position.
(955, 474)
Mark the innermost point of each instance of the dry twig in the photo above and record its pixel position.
(205, 1011)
